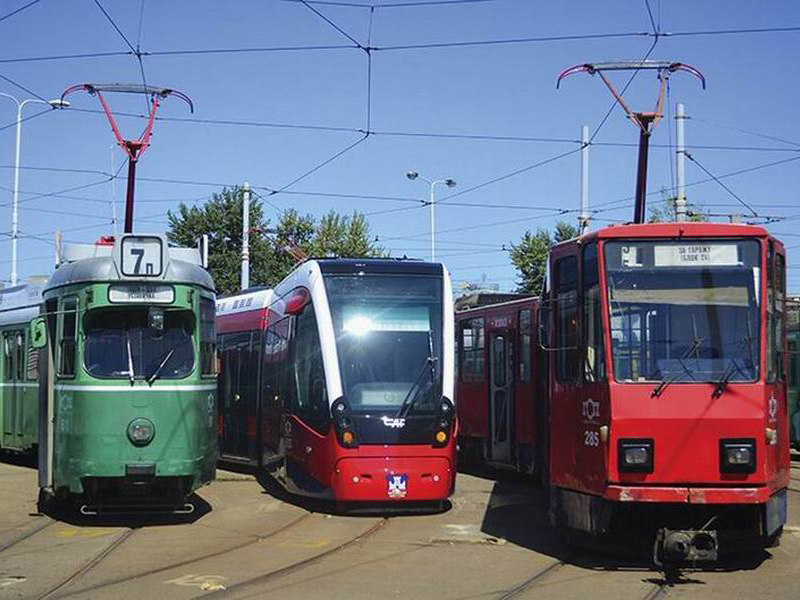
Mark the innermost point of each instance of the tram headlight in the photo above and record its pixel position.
(737, 455)
(635, 455)
(141, 431)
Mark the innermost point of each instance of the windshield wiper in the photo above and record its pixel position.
(161, 365)
(409, 400)
(698, 341)
(732, 366)
(131, 375)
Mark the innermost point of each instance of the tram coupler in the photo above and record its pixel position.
(684, 545)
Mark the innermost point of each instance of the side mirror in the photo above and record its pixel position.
(38, 333)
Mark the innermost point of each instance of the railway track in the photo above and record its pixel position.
(296, 566)
(29, 532)
(532, 581)
(167, 567)
(88, 566)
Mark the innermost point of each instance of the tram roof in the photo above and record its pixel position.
(20, 304)
(95, 263)
(683, 229)
(378, 266)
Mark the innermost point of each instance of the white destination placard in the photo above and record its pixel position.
(141, 256)
(159, 294)
(693, 255)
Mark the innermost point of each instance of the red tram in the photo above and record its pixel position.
(499, 388)
(667, 385)
(340, 380)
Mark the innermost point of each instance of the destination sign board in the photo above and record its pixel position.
(156, 294)
(696, 255)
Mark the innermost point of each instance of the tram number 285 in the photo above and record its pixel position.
(591, 438)
(141, 256)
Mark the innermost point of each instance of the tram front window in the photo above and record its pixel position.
(389, 340)
(121, 344)
(684, 310)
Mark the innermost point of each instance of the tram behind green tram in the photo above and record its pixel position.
(793, 335)
(19, 369)
(127, 395)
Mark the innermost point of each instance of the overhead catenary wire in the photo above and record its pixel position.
(18, 10)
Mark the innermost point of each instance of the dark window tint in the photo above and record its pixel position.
(594, 368)
(208, 349)
(566, 318)
(69, 322)
(779, 282)
(472, 346)
(310, 398)
(525, 349)
(499, 361)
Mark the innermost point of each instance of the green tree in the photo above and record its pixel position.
(529, 256)
(664, 211)
(221, 219)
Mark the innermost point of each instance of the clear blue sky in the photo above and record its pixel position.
(746, 118)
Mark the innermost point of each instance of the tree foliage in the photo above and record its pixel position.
(529, 256)
(221, 219)
(665, 211)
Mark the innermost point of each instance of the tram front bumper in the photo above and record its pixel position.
(392, 479)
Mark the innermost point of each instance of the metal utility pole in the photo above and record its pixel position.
(245, 280)
(15, 202)
(645, 121)
(412, 175)
(680, 170)
(583, 221)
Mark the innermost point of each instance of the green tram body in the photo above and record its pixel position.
(19, 373)
(793, 335)
(108, 439)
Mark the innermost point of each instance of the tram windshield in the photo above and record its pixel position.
(684, 310)
(389, 340)
(120, 344)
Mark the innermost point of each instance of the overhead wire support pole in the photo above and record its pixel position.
(584, 218)
(645, 121)
(245, 276)
(680, 166)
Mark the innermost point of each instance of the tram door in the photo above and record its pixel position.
(501, 404)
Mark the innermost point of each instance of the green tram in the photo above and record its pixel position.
(127, 395)
(19, 369)
(793, 335)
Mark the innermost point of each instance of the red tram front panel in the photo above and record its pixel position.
(667, 384)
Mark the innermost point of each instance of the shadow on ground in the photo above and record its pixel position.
(517, 511)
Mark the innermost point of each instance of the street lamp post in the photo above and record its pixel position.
(412, 175)
(15, 206)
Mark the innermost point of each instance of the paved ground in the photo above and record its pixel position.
(245, 542)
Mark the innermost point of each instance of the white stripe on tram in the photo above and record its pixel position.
(66, 387)
(16, 384)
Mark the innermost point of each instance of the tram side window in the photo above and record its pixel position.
(772, 343)
(275, 359)
(566, 318)
(472, 350)
(310, 400)
(594, 367)
(20, 350)
(779, 281)
(68, 333)
(8, 354)
(208, 345)
(525, 345)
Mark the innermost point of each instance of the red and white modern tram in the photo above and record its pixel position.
(667, 385)
(340, 380)
(499, 386)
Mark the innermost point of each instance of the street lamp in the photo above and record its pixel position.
(15, 210)
(412, 175)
